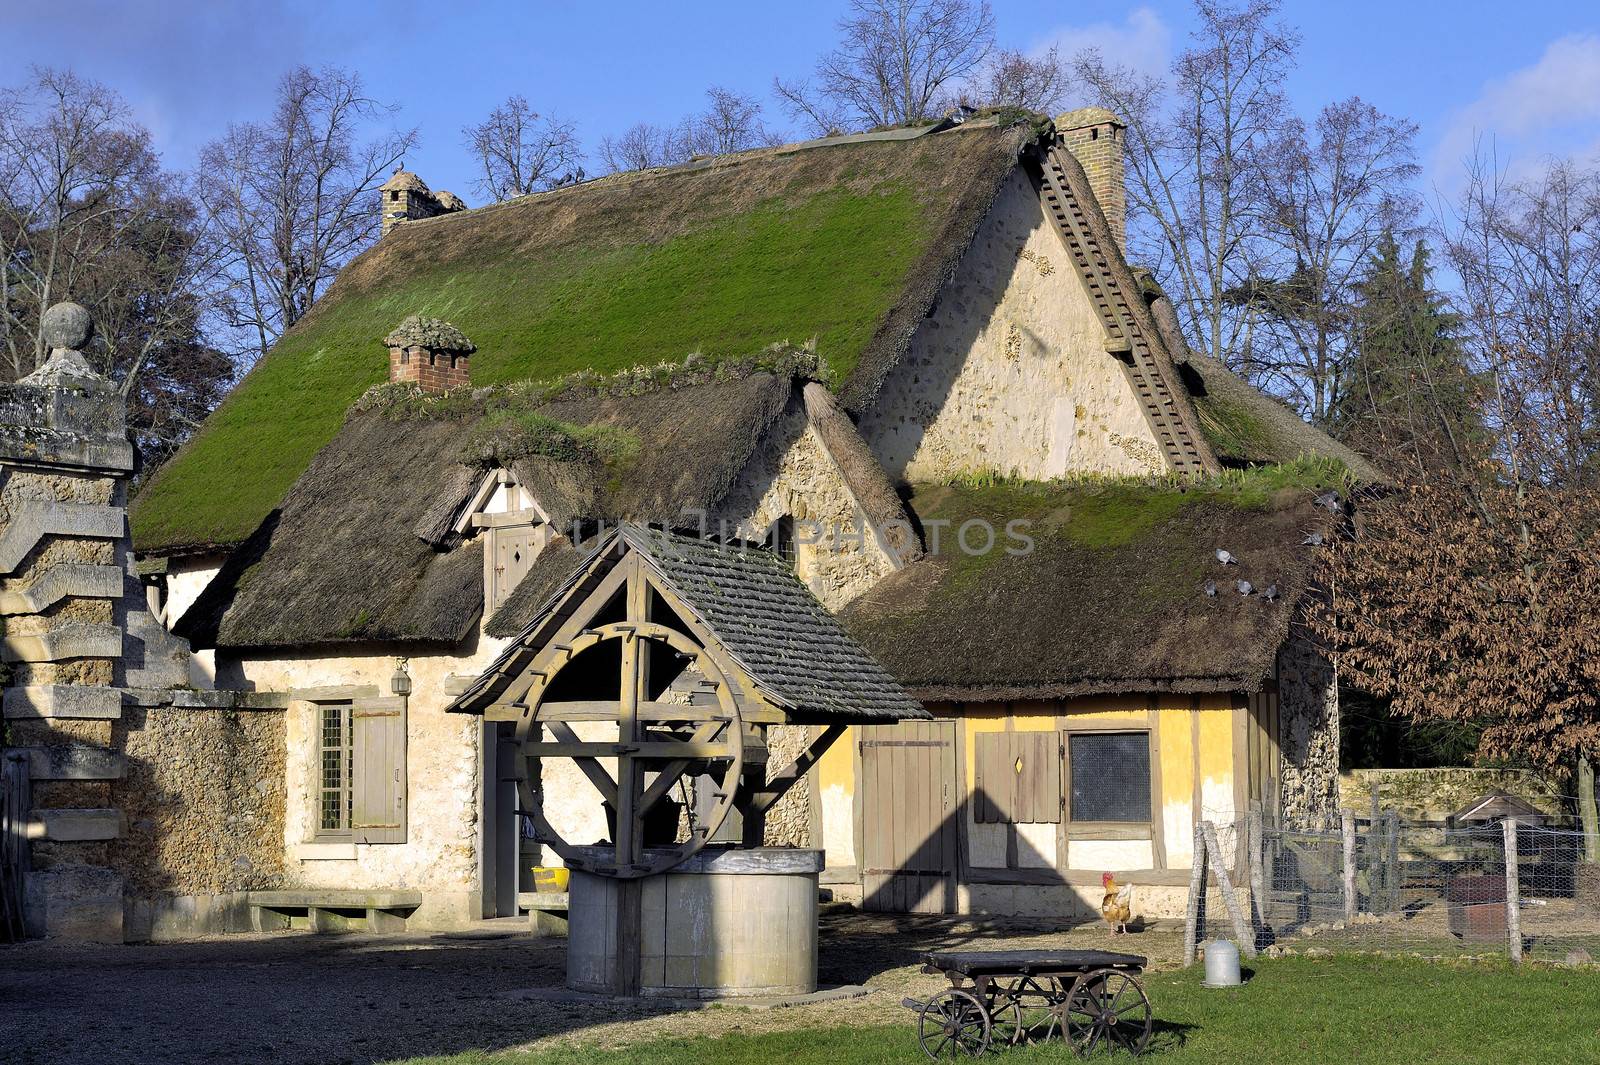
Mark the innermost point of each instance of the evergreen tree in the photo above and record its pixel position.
(1409, 399)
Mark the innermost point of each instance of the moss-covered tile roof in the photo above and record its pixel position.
(843, 244)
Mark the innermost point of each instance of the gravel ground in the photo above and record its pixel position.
(302, 998)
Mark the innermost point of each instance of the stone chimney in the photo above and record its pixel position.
(1094, 135)
(431, 352)
(407, 197)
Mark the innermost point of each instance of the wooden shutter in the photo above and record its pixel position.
(515, 548)
(1018, 778)
(378, 784)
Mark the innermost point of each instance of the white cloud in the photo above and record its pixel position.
(1141, 41)
(1548, 107)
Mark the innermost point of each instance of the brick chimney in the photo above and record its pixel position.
(431, 352)
(1094, 136)
(406, 197)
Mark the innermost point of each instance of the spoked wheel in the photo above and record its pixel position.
(954, 1024)
(1028, 1011)
(1107, 1011)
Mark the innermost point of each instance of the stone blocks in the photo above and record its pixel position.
(33, 523)
(70, 701)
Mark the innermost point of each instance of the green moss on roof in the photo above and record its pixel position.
(825, 268)
(1107, 512)
(1106, 591)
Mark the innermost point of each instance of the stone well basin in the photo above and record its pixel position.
(727, 922)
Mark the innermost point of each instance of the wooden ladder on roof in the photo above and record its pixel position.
(1110, 299)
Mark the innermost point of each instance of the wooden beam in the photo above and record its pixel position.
(591, 768)
(609, 710)
(674, 769)
(630, 823)
(639, 750)
(780, 782)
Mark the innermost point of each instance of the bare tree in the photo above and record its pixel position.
(895, 58)
(292, 197)
(1011, 79)
(643, 146)
(1527, 254)
(1332, 193)
(87, 214)
(520, 151)
(1197, 193)
(731, 122)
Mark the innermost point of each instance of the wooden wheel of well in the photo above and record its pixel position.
(672, 740)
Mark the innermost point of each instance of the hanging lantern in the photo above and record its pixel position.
(400, 682)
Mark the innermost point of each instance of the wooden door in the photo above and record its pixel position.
(512, 551)
(908, 817)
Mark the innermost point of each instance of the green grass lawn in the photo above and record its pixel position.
(1296, 1011)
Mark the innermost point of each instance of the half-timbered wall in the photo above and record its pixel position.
(1020, 850)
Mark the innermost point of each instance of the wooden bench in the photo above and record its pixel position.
(331, 910)
(547, 911)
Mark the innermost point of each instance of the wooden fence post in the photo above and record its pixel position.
(1247, 939)
(1391, 879)
(1347, 825)
(1258, 886)
(1197, 887)
(1513, 892)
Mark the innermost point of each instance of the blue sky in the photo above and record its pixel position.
(1526, 73)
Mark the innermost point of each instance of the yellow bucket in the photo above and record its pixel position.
(547, 878)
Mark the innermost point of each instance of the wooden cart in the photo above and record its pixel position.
(1091, 999)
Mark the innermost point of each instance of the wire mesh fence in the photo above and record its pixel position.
(1384, 884)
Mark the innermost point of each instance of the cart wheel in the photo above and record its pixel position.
(953, 1024)
(1107, 1011)
(1029, 1011)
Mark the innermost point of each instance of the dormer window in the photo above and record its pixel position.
(514, 530)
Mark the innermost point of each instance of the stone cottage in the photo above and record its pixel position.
(913, 364)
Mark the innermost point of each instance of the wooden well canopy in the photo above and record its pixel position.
(691, 649)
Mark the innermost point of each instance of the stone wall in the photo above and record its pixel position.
(1009, 375)
(789, 820)
(1308, 723)
(838, 554)
(443, 850)
(203, 794)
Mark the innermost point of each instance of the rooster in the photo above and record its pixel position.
(1117, 905)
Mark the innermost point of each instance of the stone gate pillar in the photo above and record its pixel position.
(64, 463)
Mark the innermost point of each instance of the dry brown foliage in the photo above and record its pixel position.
(1476, 603)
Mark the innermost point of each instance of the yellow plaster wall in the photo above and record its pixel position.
(1179, 723)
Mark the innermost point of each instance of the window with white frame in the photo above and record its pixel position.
(336, 769)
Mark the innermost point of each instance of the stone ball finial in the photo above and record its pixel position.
(67, 326)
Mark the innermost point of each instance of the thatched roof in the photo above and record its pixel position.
(846, 242)
(1111, 597)
(363, 548)
(765, 619)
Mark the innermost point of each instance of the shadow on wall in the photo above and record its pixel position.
(195, 797)
(965, 308)
(924, 869)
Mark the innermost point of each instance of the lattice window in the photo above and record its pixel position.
(1110, 774)
(336, 769)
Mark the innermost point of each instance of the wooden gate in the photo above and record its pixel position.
(908, 817)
